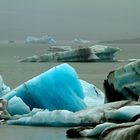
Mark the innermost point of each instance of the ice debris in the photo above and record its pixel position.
(4, 115)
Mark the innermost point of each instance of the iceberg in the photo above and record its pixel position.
(59, 48)
(3, 88)
(124, 83)
(123, 114)
(93, 95)
(88, 131)
(124, 131)
(17, 107)
(108, 131)
(81, 41)
(96, 53)
(55, 118)
(57, 88)
(86, 117)
(42, 40)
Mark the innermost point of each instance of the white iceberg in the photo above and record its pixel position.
(42, 40)
(89, 131)
(96, 53)
(59, 48)
(81, 41)
(47, 118)
(93, 95)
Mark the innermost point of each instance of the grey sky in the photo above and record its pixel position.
(67, 19)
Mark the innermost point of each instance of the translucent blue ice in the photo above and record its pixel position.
(17, 107)
(55, 89)
(125, 113)
(48, 118)
(96, 131)
(93, 95)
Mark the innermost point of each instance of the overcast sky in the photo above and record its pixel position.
(68, 19)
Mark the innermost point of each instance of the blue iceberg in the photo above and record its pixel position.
(17, 107)
(56, 89)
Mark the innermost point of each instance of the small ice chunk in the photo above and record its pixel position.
(17, 106)
(3, 88)
(93, 95)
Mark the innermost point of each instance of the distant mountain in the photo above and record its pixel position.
(133, 40)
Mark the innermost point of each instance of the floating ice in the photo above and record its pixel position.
(108, 131)
(48, 118)
(125, 113)
(3, 88)
(59, 48)
(42, 40)
(88, 131)
(93, 95)
(124, 82)
(94, 132)
(87, 117)
(96, 53)
(17, 107)
(57, 88)
(124, 131)
(81, 41)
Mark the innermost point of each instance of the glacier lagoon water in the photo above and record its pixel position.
(15, 74)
